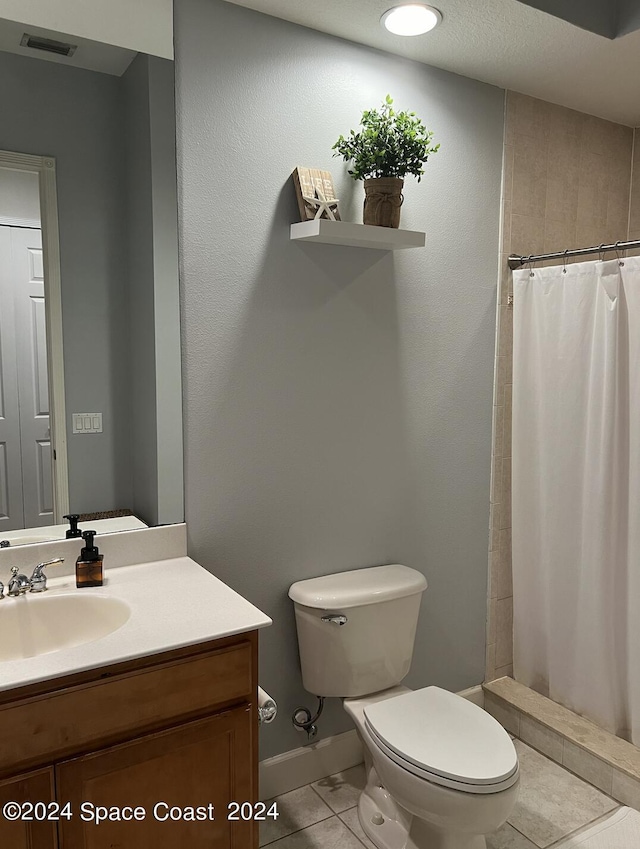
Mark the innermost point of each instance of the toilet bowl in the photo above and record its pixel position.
(441, 773)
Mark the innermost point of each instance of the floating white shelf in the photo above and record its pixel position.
(356, 235)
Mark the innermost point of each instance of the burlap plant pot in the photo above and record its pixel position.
(383, 199)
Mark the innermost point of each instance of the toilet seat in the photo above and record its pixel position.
(445, 739)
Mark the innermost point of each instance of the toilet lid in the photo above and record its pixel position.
(444, 735)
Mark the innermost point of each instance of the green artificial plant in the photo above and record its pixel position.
(390, 144)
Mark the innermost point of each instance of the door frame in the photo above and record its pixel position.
(45, 167)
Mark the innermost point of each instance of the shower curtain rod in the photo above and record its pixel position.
(518, 261)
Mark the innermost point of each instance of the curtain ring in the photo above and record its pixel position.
(530, 264)
(617, 248)
(565, 261)
(601, 252)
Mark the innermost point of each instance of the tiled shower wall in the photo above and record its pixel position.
(567, 182)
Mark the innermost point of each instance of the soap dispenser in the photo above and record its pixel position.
(89, 564)
(74, 531)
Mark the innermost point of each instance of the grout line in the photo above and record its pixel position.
(298, 830)
(586, 827)
(346, 824)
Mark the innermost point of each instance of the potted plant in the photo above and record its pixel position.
(389, 146)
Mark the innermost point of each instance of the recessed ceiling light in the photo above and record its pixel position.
(413, 19)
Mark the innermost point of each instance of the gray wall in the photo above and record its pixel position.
(628, 17)
(76, 116)
(337, 401)
(599, 16)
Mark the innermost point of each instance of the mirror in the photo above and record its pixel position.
(90, 400)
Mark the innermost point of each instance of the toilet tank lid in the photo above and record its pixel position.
(358, 587)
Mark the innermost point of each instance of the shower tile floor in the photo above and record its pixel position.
(553, 804)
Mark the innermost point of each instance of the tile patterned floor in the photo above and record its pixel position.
(553, 804)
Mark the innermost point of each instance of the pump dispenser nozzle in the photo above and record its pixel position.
(74, 531)
(90, 551)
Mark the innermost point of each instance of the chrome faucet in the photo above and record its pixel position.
(38, 580)
(37, 583)
(18, 584)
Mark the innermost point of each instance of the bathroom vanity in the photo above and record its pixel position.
(164, 739)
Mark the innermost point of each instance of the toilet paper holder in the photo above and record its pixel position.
(267, 707)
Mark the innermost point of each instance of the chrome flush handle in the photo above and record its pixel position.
(335, 618)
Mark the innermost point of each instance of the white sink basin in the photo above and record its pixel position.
(39, 624)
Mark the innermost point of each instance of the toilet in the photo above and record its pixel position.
(440, 772)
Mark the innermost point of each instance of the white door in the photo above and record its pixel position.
(33, 385)
(11, 496)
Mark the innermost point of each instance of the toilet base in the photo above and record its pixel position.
(389, 827)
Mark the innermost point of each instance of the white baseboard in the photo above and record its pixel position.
(474, 694)
(298, 767)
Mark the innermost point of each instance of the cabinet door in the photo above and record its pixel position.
(198, 764)
(33, 787)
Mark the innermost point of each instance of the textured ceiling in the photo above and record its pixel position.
(504, 42)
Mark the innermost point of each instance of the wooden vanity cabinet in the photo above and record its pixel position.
(179, 729)
(34, 787)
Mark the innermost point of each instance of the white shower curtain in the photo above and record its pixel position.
(576, 488)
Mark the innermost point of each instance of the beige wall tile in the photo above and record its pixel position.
(506, 434)
(529, 193)
(506, 332)
(491, 620)
(505, 516)
(498, 431)
(564, 122)
(494, 568)
(593, 193)
(490, 665)
(506, 282)
(625, 789)
(507, 174)
(529, 116)
(618, 214)
(504, 575)
(541, 738)
(558, 235)
(504, 671)
(506, 236)
(587, 766)
(507, 716)
(500, 380)
(504, 631)
(496, 480)
(527, 234)
(563, 178)
(598, 135)
(494, 526)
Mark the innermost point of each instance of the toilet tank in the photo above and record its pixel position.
(356, 629)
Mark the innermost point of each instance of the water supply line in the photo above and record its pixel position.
(303, 721)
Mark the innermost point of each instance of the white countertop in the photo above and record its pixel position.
(174, 603)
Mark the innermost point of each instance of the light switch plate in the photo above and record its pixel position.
(87, 422)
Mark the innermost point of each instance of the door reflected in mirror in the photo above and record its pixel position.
(90, 400)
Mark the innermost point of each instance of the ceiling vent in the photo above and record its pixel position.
(38, 42)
